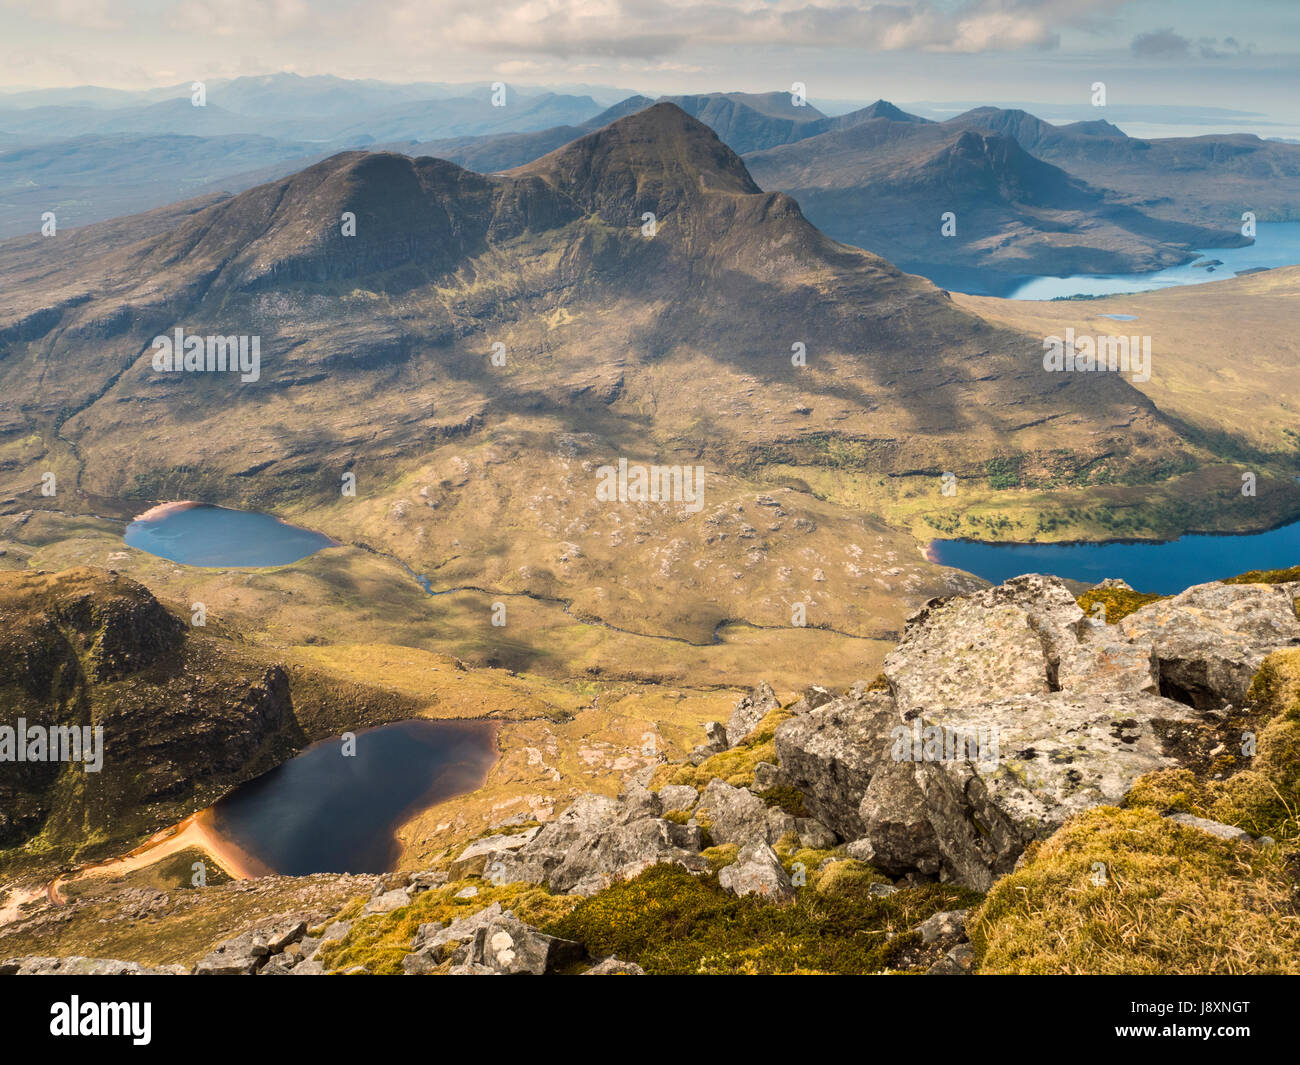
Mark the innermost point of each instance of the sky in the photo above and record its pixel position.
(1235, 57)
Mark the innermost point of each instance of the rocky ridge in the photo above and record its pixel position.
(1000, 715)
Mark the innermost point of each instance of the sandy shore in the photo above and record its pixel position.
(163, 509)
(195, 831)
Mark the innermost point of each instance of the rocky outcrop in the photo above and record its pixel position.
(485, 852)
(749, 712)
(757, 871)
(1001, 641)
(1209, 641)
(830, 754)
(247, 953)
(678, 798)
(1009, 710)
(897, 836)
(598, 840)
(506, 946)
(737, 815)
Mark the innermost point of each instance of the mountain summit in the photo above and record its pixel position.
(655, 160)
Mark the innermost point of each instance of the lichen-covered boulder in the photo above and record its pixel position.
(475, 858)
(1001, 641)
(829, 754)
(507, 946)
(618, 851)
(897, 835)
(757, 871)
(1052, 756)
(533, 862)
(749, 711)
(1210, 640)
(733, 815)
(678, 797)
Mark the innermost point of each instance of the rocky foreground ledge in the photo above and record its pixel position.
(1004, 732)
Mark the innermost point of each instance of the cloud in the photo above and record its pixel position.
(647, 29)
(1166, 44)
(1230, 48)
(82, 14)
(1160, 44)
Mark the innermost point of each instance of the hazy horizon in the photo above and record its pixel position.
(1151, 54)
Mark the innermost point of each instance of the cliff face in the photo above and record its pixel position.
(177, 715)
(178, 710)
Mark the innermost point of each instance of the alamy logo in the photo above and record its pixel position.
(651, 484)
(213, 354)
(75, 1017)
(1086, 354)
(934, 743)
(57, 743)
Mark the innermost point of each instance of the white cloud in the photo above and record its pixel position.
(643, 29)
(80, 14)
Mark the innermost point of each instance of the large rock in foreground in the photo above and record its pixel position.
(1210, 640)
(598, 840)
(830, 754)
(1042, 759)
(1009, 710)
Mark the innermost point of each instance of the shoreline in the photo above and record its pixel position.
(195, 831)
(162, 510)
(928, 548)
(410, 817)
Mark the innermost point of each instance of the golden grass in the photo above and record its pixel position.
(1128, 892)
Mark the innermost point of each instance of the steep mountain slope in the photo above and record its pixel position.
(884, 185)
(668, 349)
(185, 714)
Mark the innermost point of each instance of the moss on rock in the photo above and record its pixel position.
(671, 922)
(1119, 603)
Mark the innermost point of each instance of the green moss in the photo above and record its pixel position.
(735, 766)
(671, 922)
(1266, 576)
(846, 877)
(379, 942)
(787, 798)
(880, 684)
(1119, 603)
(1130, 892)
(721, 856)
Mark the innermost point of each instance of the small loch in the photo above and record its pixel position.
(324, 812)
(200, 534)
(1149, 566)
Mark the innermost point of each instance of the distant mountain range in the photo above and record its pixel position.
(887, 185)
(675, 347)
(1030, 197)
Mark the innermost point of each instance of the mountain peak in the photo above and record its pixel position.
(884, 109)
(652, 160)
